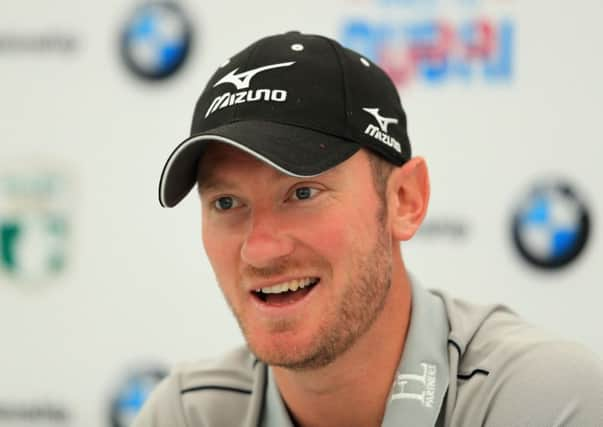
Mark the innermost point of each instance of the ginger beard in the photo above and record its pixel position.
(346, 319)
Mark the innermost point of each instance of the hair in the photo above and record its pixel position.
(381, 169)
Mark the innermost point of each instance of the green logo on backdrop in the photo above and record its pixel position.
(34, 225)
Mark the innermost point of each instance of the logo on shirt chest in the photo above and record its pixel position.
(420, 387)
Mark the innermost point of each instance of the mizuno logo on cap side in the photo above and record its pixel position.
(242, 80)
(384, 122)
(381, 135)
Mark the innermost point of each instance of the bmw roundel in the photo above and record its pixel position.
(551, 226)
(156, 40)
(132, 393)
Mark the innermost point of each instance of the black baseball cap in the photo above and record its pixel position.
(301, 103)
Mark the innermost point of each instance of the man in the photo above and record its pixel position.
(307, 185)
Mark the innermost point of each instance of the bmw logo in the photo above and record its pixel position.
(132, 394)
(551, 226)
(156, 40)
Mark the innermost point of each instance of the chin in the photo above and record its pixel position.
(280, 349)
(292, 352)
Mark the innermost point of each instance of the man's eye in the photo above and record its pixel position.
(226, 202)
(303, 193)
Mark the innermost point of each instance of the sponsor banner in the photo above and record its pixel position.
(38, 43)
(36, 204)
(434, 41)
(450, 228)
(34, 414)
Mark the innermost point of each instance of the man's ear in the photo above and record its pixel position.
(408, 198)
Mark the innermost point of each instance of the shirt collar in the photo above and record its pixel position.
(422, 379)
(274, 413)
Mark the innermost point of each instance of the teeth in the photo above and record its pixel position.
(292, 285)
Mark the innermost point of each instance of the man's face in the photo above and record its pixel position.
(266, 230)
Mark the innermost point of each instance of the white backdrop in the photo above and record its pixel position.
(84, 138)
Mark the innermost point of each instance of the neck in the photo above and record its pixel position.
(353, 390)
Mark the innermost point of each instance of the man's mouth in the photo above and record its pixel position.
(287, 292)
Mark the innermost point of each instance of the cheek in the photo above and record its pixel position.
(222, 250)
(329, 239)
(336, 235)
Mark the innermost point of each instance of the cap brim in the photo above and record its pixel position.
(293, 150)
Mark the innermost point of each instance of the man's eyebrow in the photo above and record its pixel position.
(207, 182)
(210, 183)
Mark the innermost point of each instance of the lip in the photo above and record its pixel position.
(288, 310)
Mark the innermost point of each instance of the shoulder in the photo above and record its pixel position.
(234, 370)
(553, 382)
(509, 372)
(212, 392)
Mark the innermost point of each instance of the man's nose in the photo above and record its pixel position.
(266, 240)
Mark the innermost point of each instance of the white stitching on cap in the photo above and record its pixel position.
(297, 47)
(365, 62)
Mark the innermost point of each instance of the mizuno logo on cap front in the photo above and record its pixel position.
(242, 81)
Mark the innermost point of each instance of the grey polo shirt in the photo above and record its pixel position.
(464, 365)
(419, 387)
